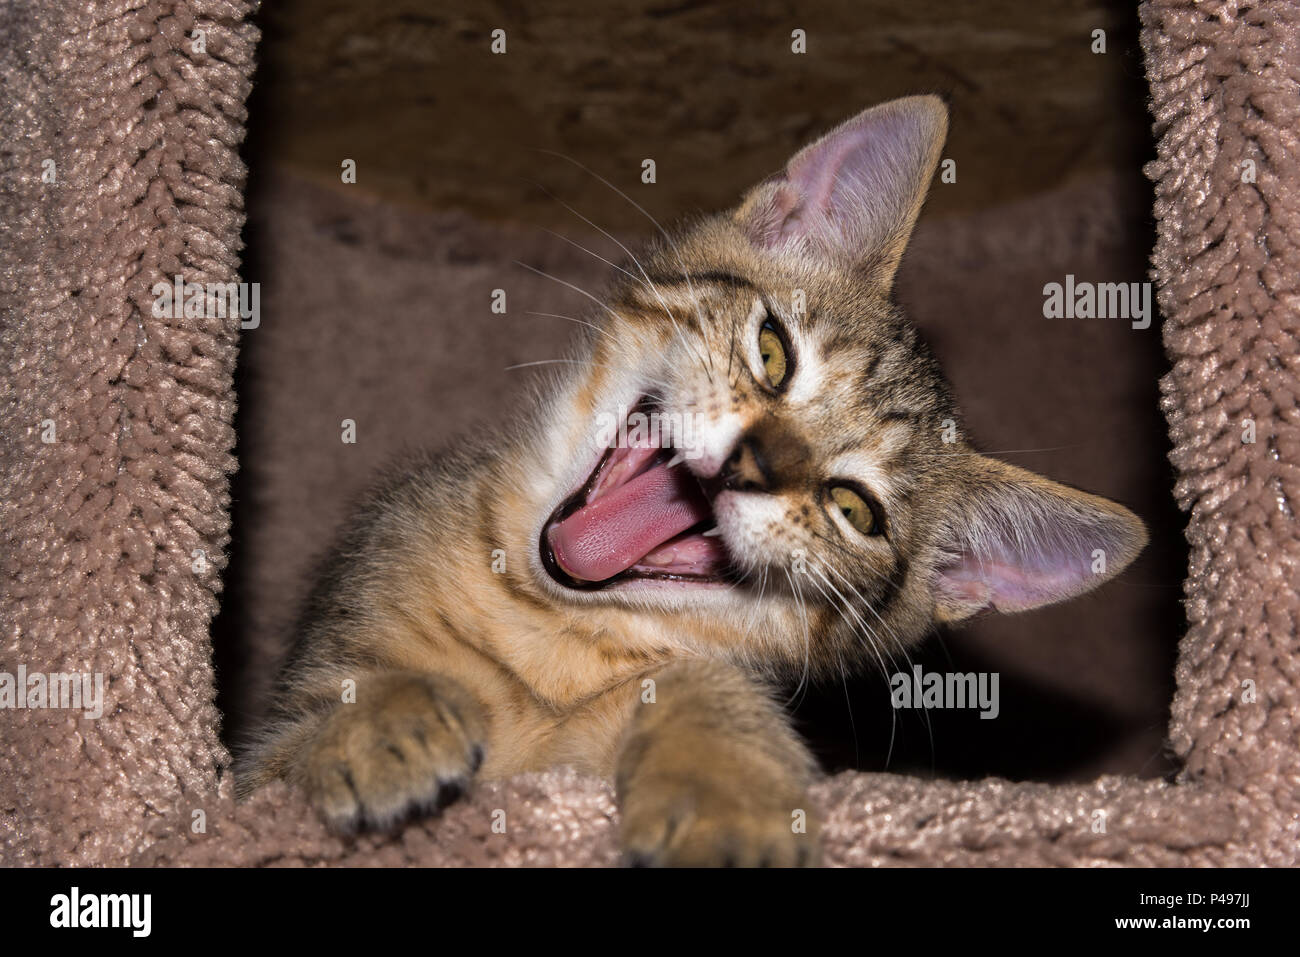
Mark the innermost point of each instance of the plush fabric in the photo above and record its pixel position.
(116, 532)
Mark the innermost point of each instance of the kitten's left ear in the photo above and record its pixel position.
(854, 195)
(1019, 541)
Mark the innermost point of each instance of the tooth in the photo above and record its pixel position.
(676, 460)
(712, 533)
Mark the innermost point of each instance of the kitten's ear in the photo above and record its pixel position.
(854, 195)
(1020, 541)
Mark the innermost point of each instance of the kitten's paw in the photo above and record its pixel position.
(409, 745)
(699, 824)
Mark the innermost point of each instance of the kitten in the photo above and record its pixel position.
(541, 598)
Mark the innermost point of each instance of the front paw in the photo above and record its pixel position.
(706, 821)
(410, 744)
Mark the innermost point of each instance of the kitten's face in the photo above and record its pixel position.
(790, 466)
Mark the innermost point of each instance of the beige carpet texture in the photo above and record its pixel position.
(120, 167)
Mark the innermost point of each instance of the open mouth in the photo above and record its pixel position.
(641, 514)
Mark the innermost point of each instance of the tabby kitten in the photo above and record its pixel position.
(550, 597)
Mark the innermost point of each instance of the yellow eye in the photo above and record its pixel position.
(855, 508)
(773, 355)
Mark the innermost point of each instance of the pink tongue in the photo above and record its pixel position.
(622, 526)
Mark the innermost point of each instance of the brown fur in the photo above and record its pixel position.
(463, 668)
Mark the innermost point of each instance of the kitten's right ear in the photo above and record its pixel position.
(854, 195)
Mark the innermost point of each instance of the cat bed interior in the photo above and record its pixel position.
(122, 433)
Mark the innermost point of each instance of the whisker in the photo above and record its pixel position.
(594, 255)
(589, 362)
(897, 644)
(581, 322)
(872, 643)
(662, 232)
(562, 282)
(900, 646)
(731, 350)
(807, 640)
(1049, 448)
(649, 283)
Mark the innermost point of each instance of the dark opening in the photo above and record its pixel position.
(375, 296)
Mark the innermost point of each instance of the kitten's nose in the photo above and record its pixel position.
(746, 469)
